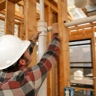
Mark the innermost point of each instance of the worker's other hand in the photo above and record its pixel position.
(35, 37)
(55, 28)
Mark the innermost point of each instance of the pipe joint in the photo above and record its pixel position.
(42, 26)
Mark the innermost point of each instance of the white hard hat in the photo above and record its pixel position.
(11, 49)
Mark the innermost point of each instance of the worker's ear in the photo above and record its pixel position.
(22, 62)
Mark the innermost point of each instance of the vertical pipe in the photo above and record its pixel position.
(41, 48)
(42, 10)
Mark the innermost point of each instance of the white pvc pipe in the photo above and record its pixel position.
(49, 28)
(41, 49)
(77, 22)
(41, 10)
(81, 21)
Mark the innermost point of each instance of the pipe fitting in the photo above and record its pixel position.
(42, 26)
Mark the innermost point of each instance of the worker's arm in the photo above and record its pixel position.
(33, 40)
(39, 72)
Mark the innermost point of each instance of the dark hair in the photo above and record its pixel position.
(13, 67)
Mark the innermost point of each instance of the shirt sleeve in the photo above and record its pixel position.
(39, 72)
(31, 46)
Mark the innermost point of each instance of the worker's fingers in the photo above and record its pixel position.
(35, 36)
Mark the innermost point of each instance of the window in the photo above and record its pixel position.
(81, 63)
(80, 53)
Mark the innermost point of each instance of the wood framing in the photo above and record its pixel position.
(48, 19)
(30, 24)
(21, 31)
(50, 4)
(64, 66)
(52, 80)
(2, 4)
(94, 59)
(2, 18)
(15, 1)
(9, 17)
(18, 15)
(21, 3)
(86, 32)
(59, 77)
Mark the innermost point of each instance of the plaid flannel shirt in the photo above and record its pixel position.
(27, 82)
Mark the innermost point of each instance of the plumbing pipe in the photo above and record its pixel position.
(41, 10)
(49, 28)
(80, 21)
(42, 47)
(77, 22)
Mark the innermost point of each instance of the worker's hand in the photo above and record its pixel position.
(35, 37)
(55, 28)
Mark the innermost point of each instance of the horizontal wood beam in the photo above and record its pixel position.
(78, 88)
(46, 3)
(53, 2)
(51, 5)
(81, 34)
(21, 3)
(18, 16)
(3, 2)
(15, 1)
(3, 18)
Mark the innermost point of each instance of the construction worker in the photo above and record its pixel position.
(16, 78)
